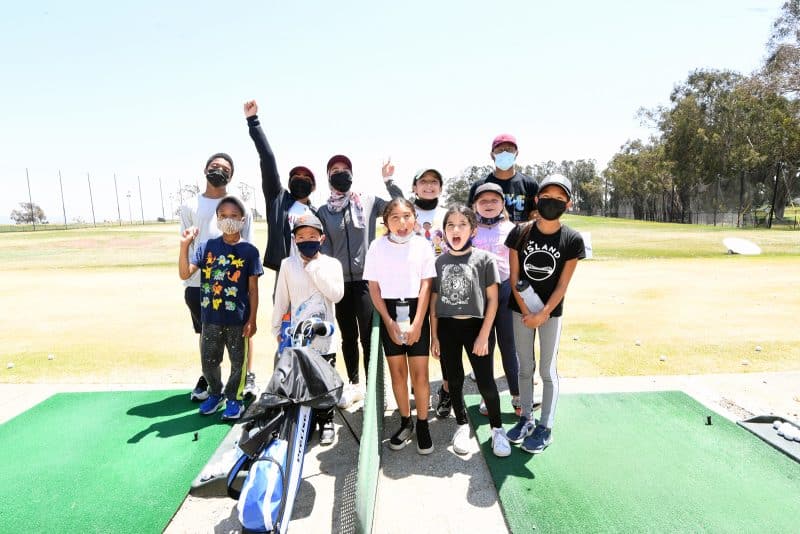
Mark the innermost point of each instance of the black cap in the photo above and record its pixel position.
(222, 155)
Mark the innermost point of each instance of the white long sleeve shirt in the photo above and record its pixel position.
(308, 291)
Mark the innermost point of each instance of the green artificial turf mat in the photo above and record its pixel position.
(642, 462)
(102, 462)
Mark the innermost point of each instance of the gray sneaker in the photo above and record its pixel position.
(250, 387)
(200, 391)
(521, 430)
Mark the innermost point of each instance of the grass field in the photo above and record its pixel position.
(108, 304)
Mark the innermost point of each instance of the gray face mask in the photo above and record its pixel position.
(230, 226)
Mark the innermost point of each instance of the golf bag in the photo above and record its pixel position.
(278, 429)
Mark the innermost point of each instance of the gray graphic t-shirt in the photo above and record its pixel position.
(461, 283)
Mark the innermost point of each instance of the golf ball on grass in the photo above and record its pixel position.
(10, 365)
(51, 356)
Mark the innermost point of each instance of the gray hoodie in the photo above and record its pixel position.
(347, 243)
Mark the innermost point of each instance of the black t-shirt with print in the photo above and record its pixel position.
(519, 191)
(542, 258)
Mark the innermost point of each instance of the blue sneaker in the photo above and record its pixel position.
(521, 430)
(212, 404)
(538, 441)
(233, 410)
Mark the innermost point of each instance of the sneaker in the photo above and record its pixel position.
(471, 375)
(424, 441)
(482, 408)
(500, 446)
(326, 433)
(212, 404)
(233, 410)
(250, 387)
(538, 441)
(401, 438)
(351, 393)
(445, 404)
(516, 405)
(521, 430)
(200, 391)
(461, 439)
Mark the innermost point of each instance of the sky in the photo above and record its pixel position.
(146, 91)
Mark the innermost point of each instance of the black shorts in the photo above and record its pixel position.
(421, 347)
(192, 297)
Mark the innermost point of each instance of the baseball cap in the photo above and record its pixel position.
(560, 180)
(504, 138)
(423, 171)
(233, 200)
(301, 168)
(488, 188)
(339, 158)
(309, 219)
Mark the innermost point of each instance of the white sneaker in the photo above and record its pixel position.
(347, 397)
(461, 440)
(500, 445)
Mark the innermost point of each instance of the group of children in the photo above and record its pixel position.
(442, 281)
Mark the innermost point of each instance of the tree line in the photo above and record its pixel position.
(726, 143)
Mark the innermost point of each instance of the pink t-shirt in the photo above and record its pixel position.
(398, 269)
(492, 239)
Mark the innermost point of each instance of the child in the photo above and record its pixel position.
(200, 213)
(400, 268)
(229, 268)
(545, 254)
(308, 285)
(493, 228)
(463, 308)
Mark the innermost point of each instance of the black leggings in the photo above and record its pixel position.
(354, 316)
(455, 335)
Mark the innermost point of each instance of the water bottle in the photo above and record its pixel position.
(403, 320)
(286, 332)
(532, 300)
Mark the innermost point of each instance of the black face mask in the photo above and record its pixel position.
(341, 181)
(551, 208)
(426, 204)
(489, 221)
(300, 188)
(218, 177)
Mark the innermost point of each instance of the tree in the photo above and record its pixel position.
(28, 213)
(183, 195)
(456, 188)
(782, 67)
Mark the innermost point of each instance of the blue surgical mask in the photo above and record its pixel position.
(504, 160)
(309, 249)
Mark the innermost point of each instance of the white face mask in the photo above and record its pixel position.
(230, 226)
(400, 239)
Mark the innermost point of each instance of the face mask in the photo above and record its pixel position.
(465, 247)
(489, 221)
(426, 204)
(300, 188)
(218, 177)
(504, 160)
(341, 181)
(309, 249)
(230, 226)
(400, 239)
(551, 208)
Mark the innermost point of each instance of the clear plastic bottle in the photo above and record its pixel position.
(532, 300)
(403, 311)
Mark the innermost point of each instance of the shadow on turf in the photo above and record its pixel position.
(187, 423)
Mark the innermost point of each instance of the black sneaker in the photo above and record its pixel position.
(401, 438)
(200, 391)
(424, 442)
(445, 404)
